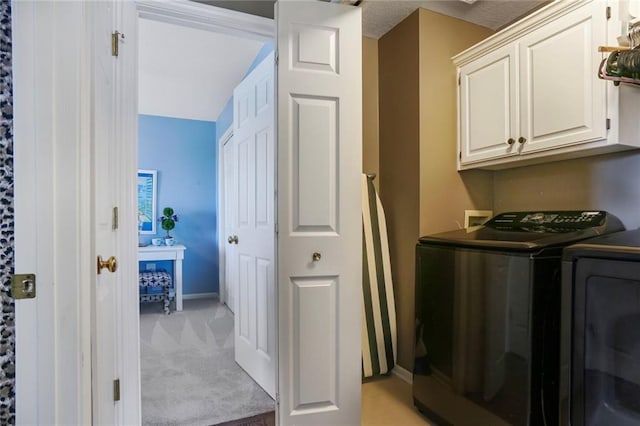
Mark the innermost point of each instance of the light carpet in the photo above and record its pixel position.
(189, 376)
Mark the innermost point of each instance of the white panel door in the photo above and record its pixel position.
(104, 339)
(488, 107)
(230, 268)
(319, 212)
(563, 102)
(254, 251)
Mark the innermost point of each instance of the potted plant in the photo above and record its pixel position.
(168, 222)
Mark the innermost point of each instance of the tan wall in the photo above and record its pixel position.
(400, 167)
(420, 188)
(370, 134)
(445, 193)
(607, 182)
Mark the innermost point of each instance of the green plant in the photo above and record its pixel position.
(168, 220)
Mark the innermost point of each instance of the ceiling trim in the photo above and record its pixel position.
(209, 18)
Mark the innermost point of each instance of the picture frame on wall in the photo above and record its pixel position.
(147, 192)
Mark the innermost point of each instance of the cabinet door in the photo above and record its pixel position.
(562, 100)
(488, 106)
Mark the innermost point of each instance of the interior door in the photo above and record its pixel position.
(104, 362)
(229, 172)
(254, 319)
(319, 212)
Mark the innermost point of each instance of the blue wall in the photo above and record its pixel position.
(184, 153)
(225, 119)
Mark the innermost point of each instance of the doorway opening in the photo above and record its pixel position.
(211, 323)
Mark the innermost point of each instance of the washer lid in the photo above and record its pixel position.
(531, 231)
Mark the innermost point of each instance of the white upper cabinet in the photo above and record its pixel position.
(530, 93)
(562, 100)
(488, 106)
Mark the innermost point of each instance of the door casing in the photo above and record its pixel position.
(222, 217)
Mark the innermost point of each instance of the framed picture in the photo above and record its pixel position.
(147, 190)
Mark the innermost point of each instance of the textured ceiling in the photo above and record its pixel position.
(379, 16)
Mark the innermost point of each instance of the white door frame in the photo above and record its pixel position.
(222, 238)
(178, 12)
(53, 239)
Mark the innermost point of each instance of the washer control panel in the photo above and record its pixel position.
(548, 221)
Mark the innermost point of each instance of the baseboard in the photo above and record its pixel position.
(199, 296)
(402, 374)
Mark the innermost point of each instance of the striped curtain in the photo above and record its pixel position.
(379, 336)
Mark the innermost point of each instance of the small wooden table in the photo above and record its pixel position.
(175, 253)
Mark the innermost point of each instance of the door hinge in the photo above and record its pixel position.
(608, 123)
(115, 41)
(277, 57)
(114, 219)
(458, 79)
(23, 286)
(608, 12)
(276, 224)
(116, 390)
(460, 155)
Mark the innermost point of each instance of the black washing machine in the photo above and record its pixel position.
(600, 345)
(488, 317)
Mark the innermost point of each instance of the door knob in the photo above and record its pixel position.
(111, 264)
(230, 239)
(233, 239)
(316, 257)
(522, 139)
(511, 141)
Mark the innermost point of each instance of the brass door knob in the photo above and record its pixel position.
(111, 264)
(522, 139)
(230, 239)
(316, 257)
(233, 239)
(511, 141)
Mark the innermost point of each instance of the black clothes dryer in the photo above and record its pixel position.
(487, 317)
(600, 345)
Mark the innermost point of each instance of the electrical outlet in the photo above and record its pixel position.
(151, 267)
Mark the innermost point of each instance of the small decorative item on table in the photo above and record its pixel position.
(168, 222)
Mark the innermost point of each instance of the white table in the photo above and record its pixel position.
(175, 253)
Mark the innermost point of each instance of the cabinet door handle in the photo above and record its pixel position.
(522, 139)
(511, 141)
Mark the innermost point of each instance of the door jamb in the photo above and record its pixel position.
(222, 252)
(184, 13)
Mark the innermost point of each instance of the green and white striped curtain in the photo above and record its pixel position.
(379, 335)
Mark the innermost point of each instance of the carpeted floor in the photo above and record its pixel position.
(189, 376)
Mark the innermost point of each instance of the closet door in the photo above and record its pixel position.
(255, 324)
(319, 213)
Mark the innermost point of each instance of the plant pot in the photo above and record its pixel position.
(169, 241)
